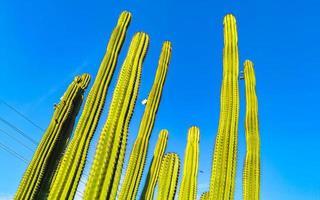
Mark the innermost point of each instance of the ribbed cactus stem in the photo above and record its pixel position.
(154, 168)
(188, 188)
(168, 177)
(204, 196)
(225, 151)
(105, 172)
(251, 172)
(138, 155)
(71, 167)
(36, 179)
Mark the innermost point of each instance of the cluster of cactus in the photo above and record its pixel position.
(139, 152)
(36, 179)
(55, 170)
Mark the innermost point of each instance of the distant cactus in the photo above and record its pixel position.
(225, 150)
(168, 178)
(189, 184)
(105, 172)
(154, 169)
(36, 180)
(204, 196)
(138, 155)
(70, 169)
(251, 172)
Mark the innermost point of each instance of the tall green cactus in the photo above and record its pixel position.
(154, 168)
(188, 188)
(168, 178)
(204, 196)
(107, 164)
(138, 155)
(70, 169)
(251, 172)
(225, 150)
(36, 179)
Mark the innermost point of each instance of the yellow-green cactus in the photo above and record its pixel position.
(251, 172)
(225, 150)
(168, 177)
(105, 172)
(68, 175)
(154, 168)
(37, 177)
(188, 188)
(204, 196)
(138, 155)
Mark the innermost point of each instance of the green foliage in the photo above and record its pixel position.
(138, 155)
(107, 164)
(154, 169)
(68, 175)
(204, 196)
(168, 178)
(37, 177)
(188, 188)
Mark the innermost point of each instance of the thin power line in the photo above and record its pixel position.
(17, 140)
(22, 115)
(13, 153)
(19, 131)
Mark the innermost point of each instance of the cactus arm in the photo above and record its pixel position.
(188, 188)
(168, 177)
(107, 164)
(154, 169)
(251, 172)
(138, 155)
(225, 150)
(204, 196)
(35, 182)
(71, 167)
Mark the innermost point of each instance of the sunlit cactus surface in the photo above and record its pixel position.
(55, 169)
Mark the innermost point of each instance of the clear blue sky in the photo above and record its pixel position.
(44, 44)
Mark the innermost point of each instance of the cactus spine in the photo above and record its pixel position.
(251, 172)
(138, 155)
(168, 177)
(204, 196)
(36, 180)
(107, 164)
(154, 169)
(188, 188)
(225, 150)
(70, 169)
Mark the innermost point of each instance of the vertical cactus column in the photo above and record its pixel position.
(36, 179)
(188, 188)
(204, 196)
(138, 155)
(251, 172)
(108, 160)
(225, 150)
(68, 175)
(154, 169)
(168, 178)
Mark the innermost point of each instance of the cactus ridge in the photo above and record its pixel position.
(168, 177)
(108, 160)
(154, 168)
(68, 175)
(204, 196)
(188, 188)
(138, 155)
(44, 162)
(251, 172)
(225, 151)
